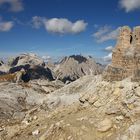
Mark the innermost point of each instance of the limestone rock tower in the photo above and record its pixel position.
(126, 56)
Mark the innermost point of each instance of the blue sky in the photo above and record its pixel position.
(64, 27)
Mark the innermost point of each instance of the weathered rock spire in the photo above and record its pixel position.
(126, 56)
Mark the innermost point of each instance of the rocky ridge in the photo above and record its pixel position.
(75, 66)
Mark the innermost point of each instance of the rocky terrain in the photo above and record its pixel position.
(3, 68)
(88, 108)
(93, 107)
(75, 66)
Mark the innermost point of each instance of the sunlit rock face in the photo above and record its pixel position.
(126, 56)
(3, 68)
(76, 66)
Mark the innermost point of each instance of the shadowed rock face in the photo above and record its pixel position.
(76, 66)
(34, 67)
(39, 72)
(79, 58)
(1, 73)
(18, 68)
(125, 57)
(1, 63)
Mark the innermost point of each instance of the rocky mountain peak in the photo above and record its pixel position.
(27, 58)
(125, 57)
(75, 66)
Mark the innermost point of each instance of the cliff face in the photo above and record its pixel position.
(126, 56)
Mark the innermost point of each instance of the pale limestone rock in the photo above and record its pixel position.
(84, 98)
(46, 89)
(98, 104)
(93, 99)
(118, 118)
(137, 91)
(125, 57)
(36, 132)
(35, 117)
(113, 109)
(76, 66)
(27, 58)
(132, 133)
(104, 125)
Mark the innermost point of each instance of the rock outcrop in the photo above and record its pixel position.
(28, 58)
(33, 65)
(75, 66)
(16, 99)
(88, 108)
(3, 68)
(126, 56)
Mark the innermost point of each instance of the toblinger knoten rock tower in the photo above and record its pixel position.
(125, 56)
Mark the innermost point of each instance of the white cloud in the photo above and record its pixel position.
(109, 48)
(130, 5)
(59, 25)
(14, 5)
(108, 58)
(105, 33)
(101, 31)
(64, 26)
(6, 26)
(37, 22)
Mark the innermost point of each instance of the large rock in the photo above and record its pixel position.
(3, 68)
(125, 57)
(14, 99)
(104, 125)
(75, 66)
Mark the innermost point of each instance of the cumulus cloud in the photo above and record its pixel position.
(6, 26)
(130, 5)
(108, 58)
(64, 26)
(109, 48)
(59, 25)
(14, 5)
(105, 33)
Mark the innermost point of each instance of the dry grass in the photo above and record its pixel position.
(8, 77)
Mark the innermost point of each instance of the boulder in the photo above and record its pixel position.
(104, 125)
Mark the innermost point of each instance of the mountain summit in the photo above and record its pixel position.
(75, 66)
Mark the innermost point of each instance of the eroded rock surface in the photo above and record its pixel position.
(125, 57)
(33, 65)
(76, 66)
(88, 108)
(3, 68)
